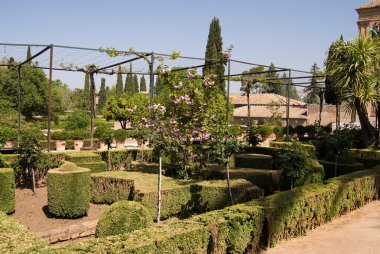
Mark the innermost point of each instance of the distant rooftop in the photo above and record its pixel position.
(369, 5)
(261, 98)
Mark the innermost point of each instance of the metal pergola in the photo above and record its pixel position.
(107, 61)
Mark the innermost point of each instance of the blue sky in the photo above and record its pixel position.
(293, 33)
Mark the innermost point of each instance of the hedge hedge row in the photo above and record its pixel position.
(257, 161)
(68, 190)
(342, 169)
(7, 190)
(309, 148)
(15, 238)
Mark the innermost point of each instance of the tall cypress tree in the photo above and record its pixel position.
(129, 86)
(28, 55)
(86, 93)
(142, 84)
(273, 85)
(214, 54)
(135, 84)
(102, 94)
(293, 93)
(119, 83)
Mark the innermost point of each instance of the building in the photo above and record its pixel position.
(369, 14)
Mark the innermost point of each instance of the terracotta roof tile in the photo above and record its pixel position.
(261, 98)
(369, 5)
(265, 112)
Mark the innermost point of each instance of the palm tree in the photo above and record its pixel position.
(354, 65)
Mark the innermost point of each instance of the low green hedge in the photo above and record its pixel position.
(309, 148)
(120, 156)
(123, 217)
(257, 161)
(178, 237)
(368, 162)
(95, 167)
(68, 191)
(107, 188)
(15, 238)
(83, 157)
(342, 169)
(7, 190)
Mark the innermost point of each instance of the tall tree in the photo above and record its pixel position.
(86, 93)
(119, 82)
(142, 84)
(102, 95)
(354, 66)
(129, 86)
(293, 93)
(28, 55)
(214, 55)
(273, 85)
(135, 84)
(313, 91)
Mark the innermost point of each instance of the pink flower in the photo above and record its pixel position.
(164, 70)
(208, 81)
(180, 85)
(226, 54)
(191, 73)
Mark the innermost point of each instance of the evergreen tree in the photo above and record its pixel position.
(213, 54)
(102, 95)
(129, 85)
(313, 90)
(119, 83)
(135, 84)
(86, 93)
(28, 55)
(293, 93)
(142, 84)
(273, 85)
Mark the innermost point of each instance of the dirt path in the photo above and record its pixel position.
(356, 232)
(31, 211)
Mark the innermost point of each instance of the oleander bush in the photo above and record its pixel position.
(123, 217)
(68, 191)
(7, 190)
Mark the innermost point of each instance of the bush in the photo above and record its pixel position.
(279, 130)
(265, 130)
(7, 190)
(7, 134)
(258, 161)
(102, 132)
(68, 191)
(120, 134)
(77, 120)
(79, 135)
(60, 135)
(252, 137)
(123, 217)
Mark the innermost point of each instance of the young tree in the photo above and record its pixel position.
(102, 95)
(119, 83)
(143, 84)
(213, 55)
(313, 91)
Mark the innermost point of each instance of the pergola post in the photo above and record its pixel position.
(19, 104)
(288, 102)
(151, 78)
(228, 90)
(50, 95)
(92, 87)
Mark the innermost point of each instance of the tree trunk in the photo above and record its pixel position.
(229, 182)
(367, 133)
(337, 115)
(108, 158)
(33, 182)
(159, 189)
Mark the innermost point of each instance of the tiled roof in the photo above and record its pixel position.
(265, 112)
(261, 98)
(369, 5)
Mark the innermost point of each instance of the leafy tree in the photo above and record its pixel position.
(129, 85)
(273, 85)
(34, 90)
(86, 93)
(313, 91)
(119, 83)
(78, 120)
(135, 84)
(102, 95)
(214, 53)
(8, 116)
(128, 108)
(354, 67)
(142, 84)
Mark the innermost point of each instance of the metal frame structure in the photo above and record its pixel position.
(149, 58)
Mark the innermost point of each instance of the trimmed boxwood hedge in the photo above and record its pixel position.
(83, 157)
(95, 167)
(15, 238)
(123, 217)
(7, 190)
(342, 169)
(258, 161)
(68, 191)
(107, 189)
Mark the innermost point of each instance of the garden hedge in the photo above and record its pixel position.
(68, 191)
(284, 145)
(83, 157)
(123, 217)
(257, 161)
(342, 169)
(95, 167)
(123, 154)
(15, 238)
(7, 190)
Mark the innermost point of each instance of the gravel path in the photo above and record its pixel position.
(356, 232)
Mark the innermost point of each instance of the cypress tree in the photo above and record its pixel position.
(119, 83)
(102, 94)
(142, 84)
(293, 93)
(214, 54)
(273, 85)
(313, 91)
(86, 93)
(129, 86)
(28, 55)
(135, 84)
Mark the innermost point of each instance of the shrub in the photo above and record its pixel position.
(7, 190)
(279, 130)
(68, 191)
(102, 132)
(77, 120)
(121, 134)
(7, 134)
(79, 135)
(123, 217)
(265, 130)
(252, 136)
(60, 135)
